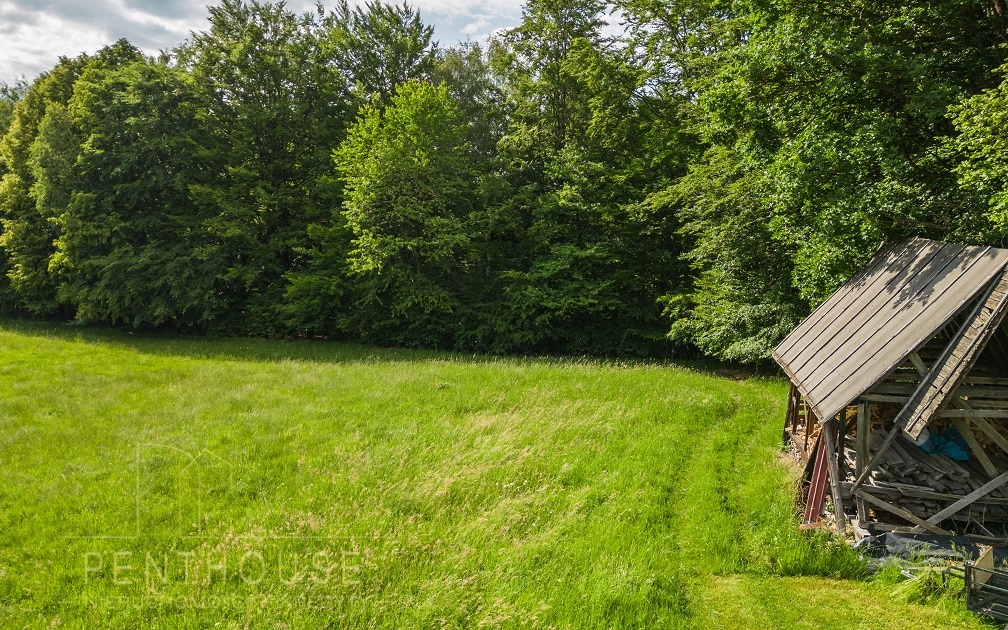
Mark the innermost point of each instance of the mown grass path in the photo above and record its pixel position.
(165, 482)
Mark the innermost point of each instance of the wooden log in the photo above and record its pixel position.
(952, 465)
(928, 461)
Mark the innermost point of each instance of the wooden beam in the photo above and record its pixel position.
(975, 447)
(969, 499)
(862, 443)
(829, 430)
(903, 514)
(791, 417)
(974, 413)
(955, 361)
(992, 433)
(876, 459)
(817, 487)
(904, 389)
(989, 380)
(926, 493)
(885, 398)
(918, 364)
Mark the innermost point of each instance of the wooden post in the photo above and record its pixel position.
(861, 445)
(841, 441)
(830, 450)
(805, 416)
(791, 418)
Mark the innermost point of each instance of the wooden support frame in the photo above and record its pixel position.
(903, 514)
(938, 383)
(830, 430)
(967, 434)
(817, 488)
(969, 499)
(972, 442)
(862, 444)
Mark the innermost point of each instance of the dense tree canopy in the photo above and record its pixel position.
(694, 182)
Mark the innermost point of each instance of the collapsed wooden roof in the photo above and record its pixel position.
(905, 295)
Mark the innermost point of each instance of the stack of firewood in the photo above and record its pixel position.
(924, 483)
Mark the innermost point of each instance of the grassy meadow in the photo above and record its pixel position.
(177, 482)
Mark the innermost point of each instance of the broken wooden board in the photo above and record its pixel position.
(947, 372)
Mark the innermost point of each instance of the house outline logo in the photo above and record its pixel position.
(193, 470)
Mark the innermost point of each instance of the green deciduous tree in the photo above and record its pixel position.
(10, 95)
(378, 46)
(409, 197)
(27, 209)
(132, 247)
(587, 144)
(824, 127)
(982, 121)
(274, 112)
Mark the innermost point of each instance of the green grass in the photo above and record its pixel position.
(329, 485)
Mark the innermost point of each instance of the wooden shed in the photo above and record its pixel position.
(899, 393)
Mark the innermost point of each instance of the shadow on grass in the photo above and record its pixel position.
(328, 351)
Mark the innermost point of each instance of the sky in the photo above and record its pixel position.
(35, 33)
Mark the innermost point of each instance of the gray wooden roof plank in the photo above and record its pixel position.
(904, 337)
(819, 318)
(849, 334)
(956, 361)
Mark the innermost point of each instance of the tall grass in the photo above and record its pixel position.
(171, 482)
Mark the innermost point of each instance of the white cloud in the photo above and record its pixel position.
(35, 33)
(475, 28)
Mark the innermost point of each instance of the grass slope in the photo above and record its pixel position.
(167, 482)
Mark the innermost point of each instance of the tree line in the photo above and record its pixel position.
(637, 178)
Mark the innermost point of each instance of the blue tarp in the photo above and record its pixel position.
(950, 443)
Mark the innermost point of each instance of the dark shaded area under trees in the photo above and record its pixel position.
(693, 186)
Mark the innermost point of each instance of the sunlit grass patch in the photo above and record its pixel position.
(173, 481)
